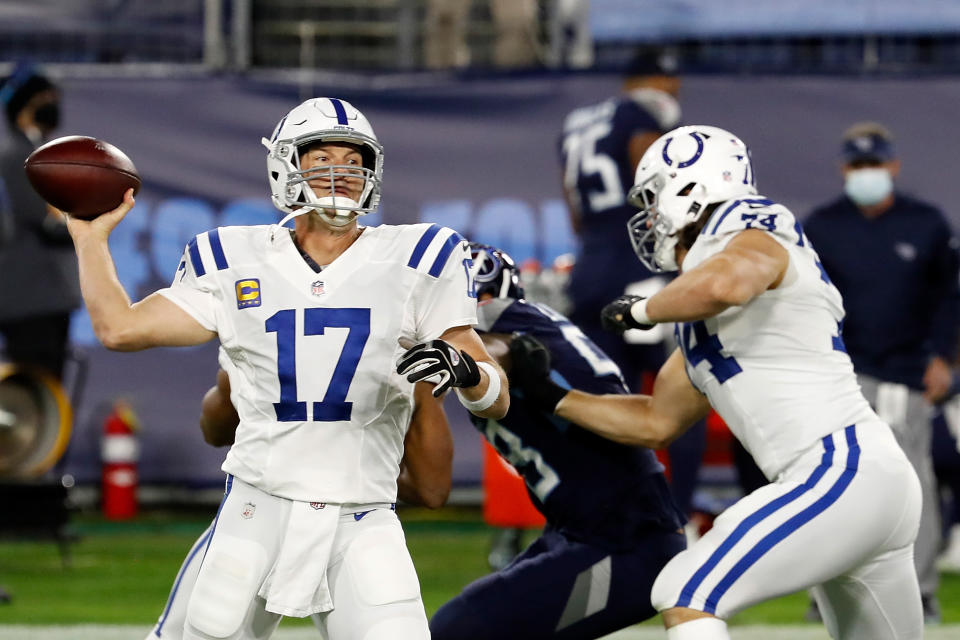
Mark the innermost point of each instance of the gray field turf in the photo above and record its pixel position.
(134, 632)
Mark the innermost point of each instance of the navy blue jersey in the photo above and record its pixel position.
(897, 274)
(594, 150)
(589, 488)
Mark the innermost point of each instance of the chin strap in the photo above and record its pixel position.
(293, 214)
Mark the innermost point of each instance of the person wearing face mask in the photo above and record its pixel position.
(894, 259)
(40, 282)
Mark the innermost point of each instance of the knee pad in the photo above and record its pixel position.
(399, 628)
(227, 584)
(380, 567)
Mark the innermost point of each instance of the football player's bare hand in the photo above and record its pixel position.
(101, 226)
(937, 380)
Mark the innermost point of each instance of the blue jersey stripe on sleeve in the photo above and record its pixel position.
(723, 215)
(437, 267)
(422, 245)
(764, 201)
(217, 248)
(195, 258)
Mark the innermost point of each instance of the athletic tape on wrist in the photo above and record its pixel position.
(639, 312)
(493, 390)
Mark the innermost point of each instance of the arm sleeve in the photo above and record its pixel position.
(195, 294)
(448, 300)
(944, 274)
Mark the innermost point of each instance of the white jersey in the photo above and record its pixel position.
(774, 369)
(312, 355)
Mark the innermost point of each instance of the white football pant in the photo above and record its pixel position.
(842, 517)
(371, 579)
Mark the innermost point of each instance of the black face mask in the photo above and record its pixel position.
(47, 116)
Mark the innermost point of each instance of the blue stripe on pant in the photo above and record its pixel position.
(781, 532)
(199, 544)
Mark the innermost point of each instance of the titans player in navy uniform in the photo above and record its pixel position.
(600, 147)
(611, 521)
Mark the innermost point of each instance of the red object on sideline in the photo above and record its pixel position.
(505, 499)
(120, 453)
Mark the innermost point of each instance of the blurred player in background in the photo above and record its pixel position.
(611, 521)
(424, 479)
(310, 320)
(759, 335)
(600, 148)
(40, 282)
(880, 245)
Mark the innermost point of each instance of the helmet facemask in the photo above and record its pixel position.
(337, 210)
(653, 236)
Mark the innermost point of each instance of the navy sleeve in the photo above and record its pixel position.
(944, 283)
(632, 119)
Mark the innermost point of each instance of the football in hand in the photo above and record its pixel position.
(81, 176)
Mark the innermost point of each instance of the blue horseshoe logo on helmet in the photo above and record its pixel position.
(685, 163)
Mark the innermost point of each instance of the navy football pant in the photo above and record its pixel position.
(560, 588)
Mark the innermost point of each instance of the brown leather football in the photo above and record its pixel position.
(82, 176)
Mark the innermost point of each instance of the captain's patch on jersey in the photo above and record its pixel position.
(248, 293)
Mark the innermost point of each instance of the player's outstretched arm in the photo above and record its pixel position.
(459, 359)
(651, 421)
(751, 263)
(119, 325)
(218, 417)
(427, 465)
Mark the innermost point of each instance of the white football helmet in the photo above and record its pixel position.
(322, 120)
(681, 173)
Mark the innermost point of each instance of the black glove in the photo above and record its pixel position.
(439, 358)
(530, 372)
(616, 316)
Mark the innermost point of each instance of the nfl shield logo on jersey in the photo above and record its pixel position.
(248, 510)
(318, 505)
(317, 288)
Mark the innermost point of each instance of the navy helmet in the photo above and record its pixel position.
(495, 272)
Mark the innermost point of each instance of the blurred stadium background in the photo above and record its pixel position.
(188, 87)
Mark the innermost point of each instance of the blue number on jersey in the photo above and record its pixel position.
(471, 282)
(706, 347)
(333, 407)
(539, 476)
(768, 221)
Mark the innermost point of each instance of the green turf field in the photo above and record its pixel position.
(122, 572)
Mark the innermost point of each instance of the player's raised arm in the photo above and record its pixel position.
(118, 324)
(751, 263)
(427, 464)
(651, 421)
